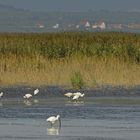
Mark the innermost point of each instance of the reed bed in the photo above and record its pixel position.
(52, 58)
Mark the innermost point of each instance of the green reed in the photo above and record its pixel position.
(62, 45)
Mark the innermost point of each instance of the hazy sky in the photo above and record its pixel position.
(73, 5)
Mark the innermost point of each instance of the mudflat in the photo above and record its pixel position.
(103, 114)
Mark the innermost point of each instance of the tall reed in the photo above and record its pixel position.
(51, 58)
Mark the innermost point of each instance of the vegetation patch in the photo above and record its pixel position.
(77, 80)
(76, 59)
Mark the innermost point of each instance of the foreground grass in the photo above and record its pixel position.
(58, 72)
(52, 59)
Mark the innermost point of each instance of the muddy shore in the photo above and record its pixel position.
(58, 91)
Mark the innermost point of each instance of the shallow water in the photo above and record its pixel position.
(91, 118)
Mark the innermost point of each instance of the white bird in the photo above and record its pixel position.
(54, 119)
(1, 94)
(36, 91)
(76, 97)
(79, 94)
(27, 96)
(82, 95)
(69, 94)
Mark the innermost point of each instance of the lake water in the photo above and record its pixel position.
(90, 118)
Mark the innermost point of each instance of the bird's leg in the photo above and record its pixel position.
(51, 124)
(59, 123)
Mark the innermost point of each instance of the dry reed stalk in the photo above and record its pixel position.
(58, 72)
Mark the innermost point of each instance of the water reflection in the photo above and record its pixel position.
(30, 102)
(53, 131)
(74, 103)
(27, 102)
(36, 101)
(1, 104)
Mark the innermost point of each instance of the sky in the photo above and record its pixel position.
(73, 5)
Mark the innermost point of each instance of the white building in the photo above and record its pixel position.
(56, 26)
(40, 25)
(87, 24)
(77, 26)
(100, 25)
(94, 26)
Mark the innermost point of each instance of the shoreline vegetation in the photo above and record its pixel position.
(75, 59)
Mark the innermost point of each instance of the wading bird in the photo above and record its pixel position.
(78, 94)
(27, 96)
(54, 119)
(69, 94)
(1, 94)
(36, 91)
(76, 97)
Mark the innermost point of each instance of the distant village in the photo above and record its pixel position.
(19, 20)
(87, 25)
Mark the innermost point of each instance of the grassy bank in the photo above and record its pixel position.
(54, 58)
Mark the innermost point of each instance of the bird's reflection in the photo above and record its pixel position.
(30, 102)
(53, 131)
(1, 104)
(74, 103)
(36, 101)
(27, 102)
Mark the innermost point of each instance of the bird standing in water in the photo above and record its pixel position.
(36, 91)
(77, 96)
(54, 119)
(27, 96)
(1, 94)
(69, 94)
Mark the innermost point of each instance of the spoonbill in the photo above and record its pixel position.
(79, 94)
(54, 119)
(82, 95)
(69, 94)
(1, 94)
(27, 96)
(76, 97)
(36, 91)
